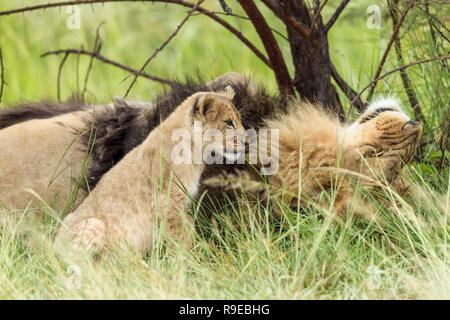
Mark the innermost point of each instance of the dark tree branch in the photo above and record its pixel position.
(433, 27)
(289, 20)
(2, 74)
(442, 24)
(336, 14)
(393, 9)
(388, 48)
(209, 14)
(58, 82)
(270, 44)
(108, 61)
(315, 19)
(395, 70)
(431, 24)
(348, 91)
(96, 49)
(225, 8)
(247, 19)
(299, 27)
(164, 44)
(275, 7)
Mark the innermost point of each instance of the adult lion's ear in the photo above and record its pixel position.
(229, 92)
(204, 106)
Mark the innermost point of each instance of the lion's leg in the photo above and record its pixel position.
(88, 234)
(179, 226)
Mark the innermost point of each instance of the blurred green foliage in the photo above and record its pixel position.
(132, 31)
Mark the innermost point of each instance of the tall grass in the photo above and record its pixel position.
(313, 255)
(309, 254)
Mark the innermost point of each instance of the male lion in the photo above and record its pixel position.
(317, 153)
(147, 184)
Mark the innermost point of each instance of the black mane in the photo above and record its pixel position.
(37, 110)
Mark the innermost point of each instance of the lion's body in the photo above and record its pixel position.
(37, 157)
(145, 186)
(43, 158)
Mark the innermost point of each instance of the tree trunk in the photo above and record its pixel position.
(311, 60)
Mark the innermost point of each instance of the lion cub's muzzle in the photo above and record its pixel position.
(238, 149)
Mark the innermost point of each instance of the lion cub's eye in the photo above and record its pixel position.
(229, 123)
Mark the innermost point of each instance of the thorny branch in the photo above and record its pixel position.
(247, 19)
(225, 7)
(388, 48)
(58, 81)
(336, 14)
(288, 20)
(2, 74)
(97, 47)
(395, 70)
(164, 44)
(393, 8)
(270, 44)
(108, 61)
(316, 18)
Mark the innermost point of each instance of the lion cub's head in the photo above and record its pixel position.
(222, 128)
(381, 141)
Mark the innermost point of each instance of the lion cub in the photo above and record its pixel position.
(147, 187)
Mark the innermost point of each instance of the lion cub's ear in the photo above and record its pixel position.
(204, 106)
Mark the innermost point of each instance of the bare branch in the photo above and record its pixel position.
(297, 26)
(108, 61)
(270, 44)
(316, 18)
(225, 7)
(96, 49)
(247, 19)
(336, 14)
(164, 44)
(393, 8)
(2, 74)
(289, 20)
(58, 83)
(388, 48)
(275, 7)
(395, 70)
(208, 13)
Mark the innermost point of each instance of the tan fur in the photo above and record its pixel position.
(42, 159)
(36, 156)
(141, 190)
(317, 153)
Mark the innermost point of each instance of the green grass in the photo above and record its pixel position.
(309, 257)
